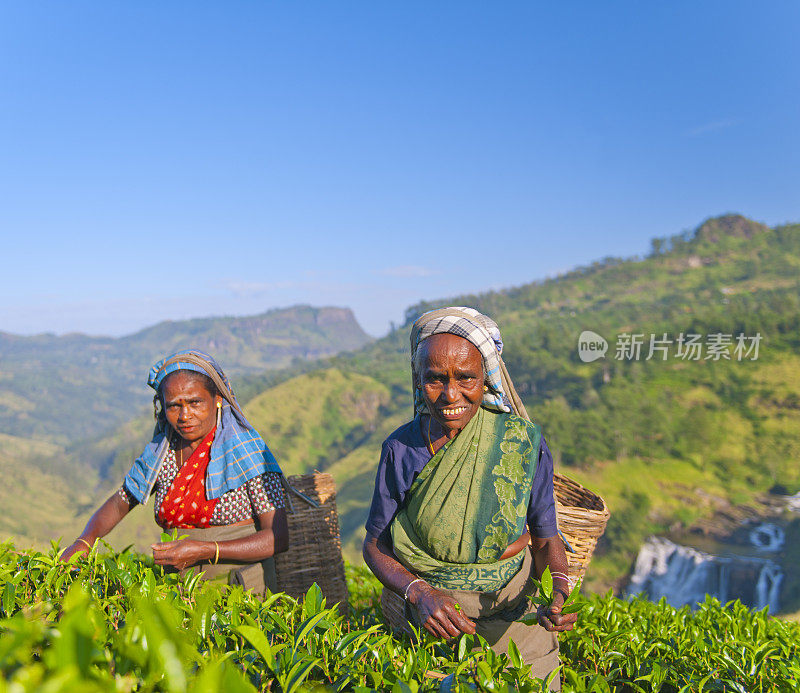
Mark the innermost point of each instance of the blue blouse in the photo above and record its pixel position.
(403, 456)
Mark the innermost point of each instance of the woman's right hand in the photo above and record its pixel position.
(76, 546)
(439, 613)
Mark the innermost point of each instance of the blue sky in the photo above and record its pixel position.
(182, 159)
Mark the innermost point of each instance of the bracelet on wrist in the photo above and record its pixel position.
(408, 586)
(566, 578)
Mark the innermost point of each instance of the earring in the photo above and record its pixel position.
(486, 388)
(219, 413)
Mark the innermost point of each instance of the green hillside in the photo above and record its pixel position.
(664, 441)
(34, 500)
(70, 388)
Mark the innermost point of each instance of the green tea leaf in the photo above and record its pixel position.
(308, 626)
(547, 585)
(514, 654)
(298, 673)
(574, 593)
(573, 608)
(258, 640)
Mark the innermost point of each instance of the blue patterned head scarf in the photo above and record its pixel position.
(238, 452)
(476, 328)
(187, 360)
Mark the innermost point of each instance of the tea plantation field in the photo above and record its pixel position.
(110, 622)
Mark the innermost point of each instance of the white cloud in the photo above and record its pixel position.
(405, 271)
(251, 288)
(712, 126)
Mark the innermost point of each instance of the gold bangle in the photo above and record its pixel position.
(216, 555)
(88, 545)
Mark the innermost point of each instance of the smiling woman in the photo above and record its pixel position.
(451, 377)
(212, 475)
(459, 492)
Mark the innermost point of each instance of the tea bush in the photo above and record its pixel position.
(113, 622)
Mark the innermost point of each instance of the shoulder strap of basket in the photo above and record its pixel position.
(292, 490)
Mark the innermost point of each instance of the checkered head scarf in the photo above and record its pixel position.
(483, 333)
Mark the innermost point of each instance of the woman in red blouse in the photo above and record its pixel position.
(212, 476)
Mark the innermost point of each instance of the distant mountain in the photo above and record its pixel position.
(72, 387)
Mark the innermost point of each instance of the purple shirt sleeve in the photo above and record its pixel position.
(403, 456)
(542, 506)
(385, 497)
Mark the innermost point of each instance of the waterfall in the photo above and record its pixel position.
(768, 588)
(724, 582)
(767, 536)
(684, 575)
(793, 502)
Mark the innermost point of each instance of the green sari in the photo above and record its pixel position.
(469, 503)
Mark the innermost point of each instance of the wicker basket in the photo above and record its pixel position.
(315, 549)
(582, 518)
(393, 608)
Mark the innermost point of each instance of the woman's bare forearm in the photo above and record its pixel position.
(550, 553)
(271, 538)
(105, 519)
(101, 523)
(380, 559)
(249, 549)
(438, 612)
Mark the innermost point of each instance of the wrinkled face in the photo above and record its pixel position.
(189, 407)
(450, 372)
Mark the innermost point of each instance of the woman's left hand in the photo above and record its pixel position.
(181, 554)
(550, 617)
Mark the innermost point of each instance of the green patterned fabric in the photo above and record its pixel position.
(469, 503)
